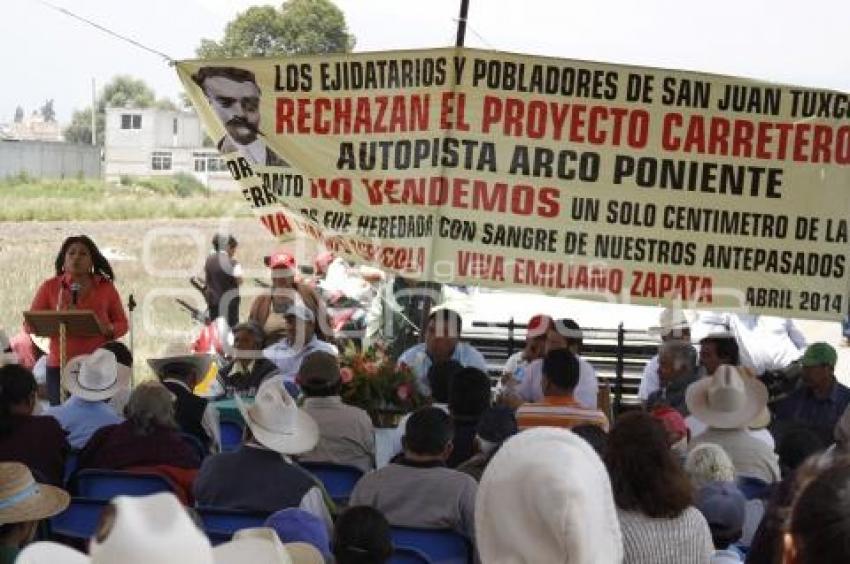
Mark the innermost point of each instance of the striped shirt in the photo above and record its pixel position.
(559, 411)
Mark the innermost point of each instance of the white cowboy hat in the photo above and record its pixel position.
(156, 529)
(180, 352)
(670, 320)
(726, 400)
(276, 421)
(22, 499)
(96, 376)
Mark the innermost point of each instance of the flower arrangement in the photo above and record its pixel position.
(372, 381)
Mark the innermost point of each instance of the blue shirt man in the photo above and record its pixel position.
(81, 418)
(442, 343)
(821, 401)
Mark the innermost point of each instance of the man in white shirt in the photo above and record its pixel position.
(442, 342)
(299, 342)
(562, 334)
(767, 343)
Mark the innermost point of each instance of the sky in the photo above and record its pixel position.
(46, 54)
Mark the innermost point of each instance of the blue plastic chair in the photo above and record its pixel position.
(231, 435)
(105, 484)
(407, 555)
(441, 546)
(71, 463)
(79, 521)
(220, 524)
(338, 479)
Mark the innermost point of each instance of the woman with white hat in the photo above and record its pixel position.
(728, 403)
(155, 529)
(23, 503)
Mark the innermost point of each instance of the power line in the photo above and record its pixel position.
(109, 31)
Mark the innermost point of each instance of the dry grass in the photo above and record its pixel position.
(28, 250)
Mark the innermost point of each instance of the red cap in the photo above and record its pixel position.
(538, 325)
(672, 420)
(280, 260)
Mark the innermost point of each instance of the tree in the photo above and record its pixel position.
(125, 92)
(299, 27)
(121, 92)
(19, 114)
(47, 111)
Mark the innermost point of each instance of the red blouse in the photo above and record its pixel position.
(102, 298)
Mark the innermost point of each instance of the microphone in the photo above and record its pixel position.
(75, 293)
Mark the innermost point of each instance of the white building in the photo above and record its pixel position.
(154, 142)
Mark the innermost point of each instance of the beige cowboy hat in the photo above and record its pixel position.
(180, 352)
(276, 421)
(156, 529)
(22, 499)
(727, 399)
(96, 376)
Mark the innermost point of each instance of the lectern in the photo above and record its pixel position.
(61, 324)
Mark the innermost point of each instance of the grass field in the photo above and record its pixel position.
(158, 258)
(179, 196)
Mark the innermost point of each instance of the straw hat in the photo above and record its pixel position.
(276, 422)
(180, 352)
(96, 376)
(22, 499)
(726, 399)
(262, 545)
(156, 528)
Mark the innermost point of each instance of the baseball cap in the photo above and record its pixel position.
(538, 325)
(280, 260)
(672, 420)
(723, 506)
(818, 354)
(297, 525)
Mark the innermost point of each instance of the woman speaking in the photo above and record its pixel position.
(84, 280)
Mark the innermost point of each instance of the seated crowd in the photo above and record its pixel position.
(707, 470)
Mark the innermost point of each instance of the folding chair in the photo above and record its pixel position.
(338, 479)
(441, 546)
(231, 435)
(105, 484)
(79, 521)
(407, 555)
(220, 524)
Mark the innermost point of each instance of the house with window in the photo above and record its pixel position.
(153, 142)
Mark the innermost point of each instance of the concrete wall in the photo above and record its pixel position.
(41, 159)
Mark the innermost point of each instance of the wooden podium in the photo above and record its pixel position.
(61, 324)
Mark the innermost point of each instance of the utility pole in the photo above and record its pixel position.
(93, 113)
(461, 23)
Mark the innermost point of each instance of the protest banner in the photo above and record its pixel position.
(574, 178)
